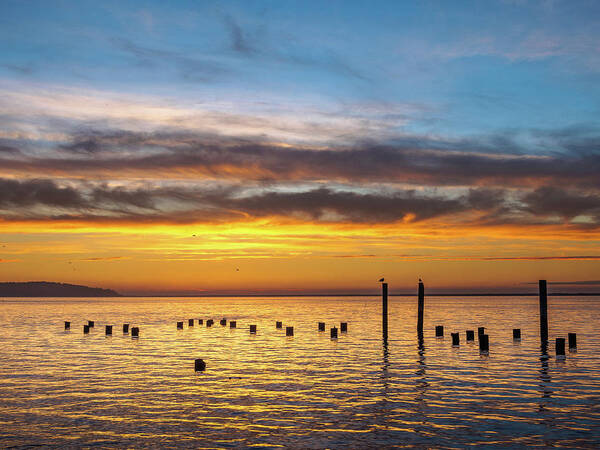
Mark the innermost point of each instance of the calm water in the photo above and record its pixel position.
(63, 388)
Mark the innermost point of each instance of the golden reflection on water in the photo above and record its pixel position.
(364, 389)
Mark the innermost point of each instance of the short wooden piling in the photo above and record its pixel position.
(108, 329)
(278, 324)
(190, 322)
(200, 321)
(209, 323)
(135, 332)
(91, 323)
(439, 331)
(223, 322)
(67, 325)
(199, 365)
(334, 332)
(321, 326)
(289, 331)
(253, 329)
(384, 309)
(572, 340)
(125, 328)
(180, 325)
(560, 348)
(86, 329)
(232, 324)
(455, 339)
(543, 312)
(484, 343)
(421, 307)
(470, 335)
(344, 327)
(480, 331)
(517, 334)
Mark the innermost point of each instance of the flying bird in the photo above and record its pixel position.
(381, 280)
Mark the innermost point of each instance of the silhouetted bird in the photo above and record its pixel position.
(420, 281)
(381, 280)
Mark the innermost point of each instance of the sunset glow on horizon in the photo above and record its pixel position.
(298, 148)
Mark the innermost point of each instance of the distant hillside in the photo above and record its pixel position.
(48, 289)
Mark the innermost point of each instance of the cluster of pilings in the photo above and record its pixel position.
(483, 338)
(108, 329)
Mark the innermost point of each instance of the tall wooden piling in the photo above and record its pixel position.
(384, 310)
(543, 312)
(421, 306)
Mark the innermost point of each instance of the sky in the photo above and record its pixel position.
(202, 147)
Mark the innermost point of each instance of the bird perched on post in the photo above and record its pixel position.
(381, 280)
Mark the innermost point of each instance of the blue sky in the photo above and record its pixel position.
(451, 69)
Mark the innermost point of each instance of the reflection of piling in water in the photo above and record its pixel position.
(572, 340)
(253, 329)
(180, 325)
(517, 333)
(334, 333)
(67, 325)
(278, 324)
(484, 344)
(384, 309)
(108, 329)
(439, 330)
(421, 306)
(199, 365)
(344, 327)
(190, 322)
(86, 329)
(455, 339)
(125, 328)
(232, 324)
(560, 348)
(321, 326)
(289, 331)
(135, 332)
(543, 311)
(470, 335)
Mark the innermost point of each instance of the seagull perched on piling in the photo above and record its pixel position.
(381, 280)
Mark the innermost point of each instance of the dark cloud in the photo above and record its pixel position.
(15, 193)
(551, 200)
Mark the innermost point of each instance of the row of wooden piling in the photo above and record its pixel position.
(108, 329)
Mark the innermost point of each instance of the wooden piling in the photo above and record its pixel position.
(455, 339)
(180, 325)
(572, 340)
(321, 326)
(278, 324)
(344, 327)
(200, 321)
(470, 335)
(223, 322)
(91, 323)
(190, 322)
(67, 325)
(86, 329)
(384, 309)
(480, 331)
(439, 331)
(543, 312)
(484, 343)
(232, 324)
(108, 329)
(253, 329)
(421, 306)
(125, 328)
(135, 332)
(289, 331)
(209, 323)
(199, 365)
(334, 331)
(516, 333)
(560, 348)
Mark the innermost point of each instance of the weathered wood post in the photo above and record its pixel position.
(199, 365)
(278, 324)
(560, 348)
(67, 325)
(86, 329)
(421, 306)
(484, 343)
(543, 312)
(91, 323)
(180, 325)
(572, 341)
(135, 332)
(480, 332)
(289, 331)
(344, 327)
(253, 329)
(108, 329)
(321, 326)
(384, 310)
(334, 332)
(190, 322)
(517, 334)
(470, 335)
(439, 331)
(232, 324)
(125, 328)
